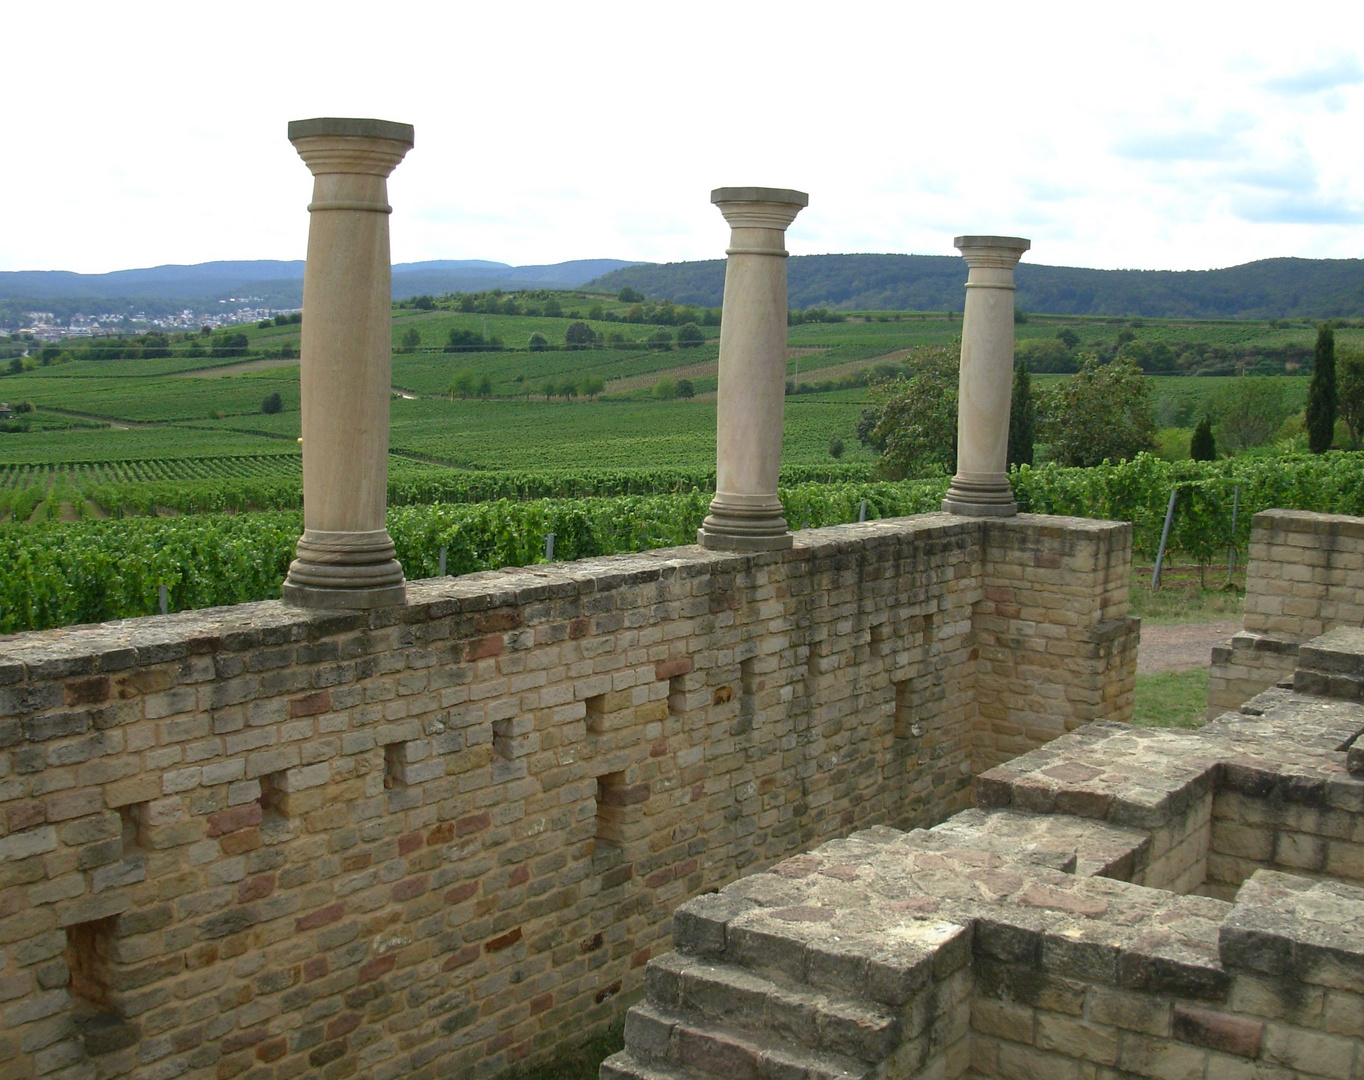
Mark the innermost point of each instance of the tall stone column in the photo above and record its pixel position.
(345, 557)
(981, 486)
(746, 514)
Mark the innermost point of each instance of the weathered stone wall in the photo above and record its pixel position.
(442, 839)
(1305, 577)
(1056, 930)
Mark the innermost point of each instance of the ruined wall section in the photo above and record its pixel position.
(1305, 577)
(444, 838)
(1057, 647)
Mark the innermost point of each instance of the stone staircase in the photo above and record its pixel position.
(750, 1014)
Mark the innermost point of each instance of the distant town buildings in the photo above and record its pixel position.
(44, 325)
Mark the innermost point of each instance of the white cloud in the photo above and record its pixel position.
(1176, 138)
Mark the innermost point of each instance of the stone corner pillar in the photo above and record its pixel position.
(981, 486)
(746, 514)
(345, 556)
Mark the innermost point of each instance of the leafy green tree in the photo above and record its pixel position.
(1321, 394)
(412, 339)
(685, 388)
(1045, 356)
(916, 416)
(665, 389)
(1350, 391)
(628, 295)
(272, 404)
(593, 385)
(579, 336)
(835, 447)
(1068, 337)
(553, 309)
(462, 385)
(287, 350)
(16, 366)
(1203, 447)
(484, 389)
(1102, 412)
(230, 345)
(661, 340)
(1248, 411)
(538, 342)
(1022, 418)
(549, 388)
(468, 303)
(568, 389)
(689, 336)
(462, 339)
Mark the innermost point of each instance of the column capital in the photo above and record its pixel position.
(759, 207)
(347, 145)
(999, 252)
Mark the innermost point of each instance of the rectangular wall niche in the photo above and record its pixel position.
(88, 949)
(620, 809)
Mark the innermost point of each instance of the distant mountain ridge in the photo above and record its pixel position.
(280, 283)
(1269, 288)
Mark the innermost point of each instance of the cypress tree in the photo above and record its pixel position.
(1022, 418)
(1203, 447)
(1321, 395)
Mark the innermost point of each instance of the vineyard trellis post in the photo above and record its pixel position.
(549, 547)
(1231, 549)
(1164, 538)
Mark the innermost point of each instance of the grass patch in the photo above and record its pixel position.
(1172, 699)
(581, 1062)
(1184, 596)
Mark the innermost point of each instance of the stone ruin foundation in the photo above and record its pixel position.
(1124, 902)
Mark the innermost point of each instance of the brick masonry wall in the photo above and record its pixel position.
(1053, 633)
(1305, 577)
(445, 839)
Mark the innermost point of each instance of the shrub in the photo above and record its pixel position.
(272, 404)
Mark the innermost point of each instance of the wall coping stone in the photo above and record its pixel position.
(116, 646)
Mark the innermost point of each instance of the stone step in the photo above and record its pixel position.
(721, 992)
(624, 1066)
(662, 1039)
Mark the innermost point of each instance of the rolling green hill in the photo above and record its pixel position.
(1267, 289)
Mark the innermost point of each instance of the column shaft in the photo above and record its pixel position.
(345, 556)
(746, 514)
(981, 484)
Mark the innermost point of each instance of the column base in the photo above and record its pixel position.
(307, 596)
(992, 497)
(744, 523)
(715, 541)
(345, 570)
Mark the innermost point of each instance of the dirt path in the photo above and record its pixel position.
(263, 364)
(1183, 646)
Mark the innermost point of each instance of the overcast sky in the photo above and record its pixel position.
(1113, 135)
